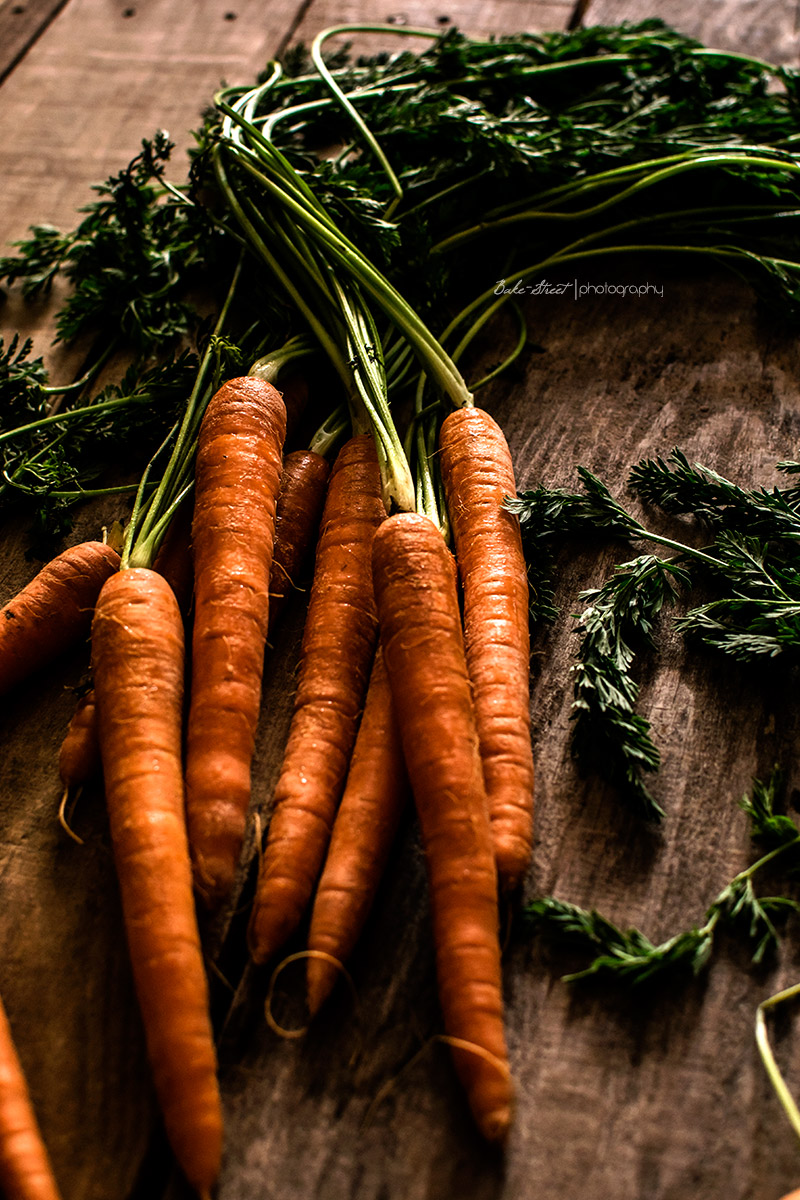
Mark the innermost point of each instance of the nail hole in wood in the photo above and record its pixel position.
(231, 16)
(17, 9)
(443, 19)
(129, 12)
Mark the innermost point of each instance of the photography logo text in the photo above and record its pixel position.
(577, 289)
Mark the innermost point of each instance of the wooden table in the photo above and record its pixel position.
(656, 1098)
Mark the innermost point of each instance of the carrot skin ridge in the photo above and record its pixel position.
(237, 482)
(423, 646)
(53, 612)
(364, 828)
(138, 646)
(299, 509)
(25, 1169)
(335, 660)
(477, 473)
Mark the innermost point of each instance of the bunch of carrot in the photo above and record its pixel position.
(396, 691)
(447, 704)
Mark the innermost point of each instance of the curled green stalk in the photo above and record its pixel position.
(774, 1074)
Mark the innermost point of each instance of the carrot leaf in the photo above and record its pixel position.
(628, 957)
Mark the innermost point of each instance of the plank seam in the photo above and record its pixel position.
(299, 17)
(6, 70)
(578, 13)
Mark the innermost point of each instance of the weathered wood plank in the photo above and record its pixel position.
(660, 1097)
(21, 23)
(767, 31)
(472, 16)
(104, 77)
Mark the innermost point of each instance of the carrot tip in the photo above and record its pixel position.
(495, 1126)
(321, 977)
(213, 881)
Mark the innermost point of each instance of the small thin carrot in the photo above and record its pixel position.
(477, 473)
(53, 612)
(363, 832)
(237, 479)
(79, 757)
(300, 502)
(423, 645)
(137, 647)
(25, 1169)
(338, 646)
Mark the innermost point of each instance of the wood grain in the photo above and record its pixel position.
(21, 23)
(474, 17)
(765, 30)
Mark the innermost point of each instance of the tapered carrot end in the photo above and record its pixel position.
(495, 1126)
(270, 927)
(213, 880)
(320, 979)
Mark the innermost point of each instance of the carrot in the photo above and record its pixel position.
(423, 645)
(363, 832)
(296, 520)
(53, 612)
(300, 502)
(477, 473)
(137, 646)
(79, 757)
(25, 1170)
(338, 645)
(237, 478)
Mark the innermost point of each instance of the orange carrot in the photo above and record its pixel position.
(336, 655)
(237, 478)
(137, 646)
(363, 832)
(53, 612)
(300, 502)
(423, 646)
(25, 1170)
(477, 474)
(79, 757)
